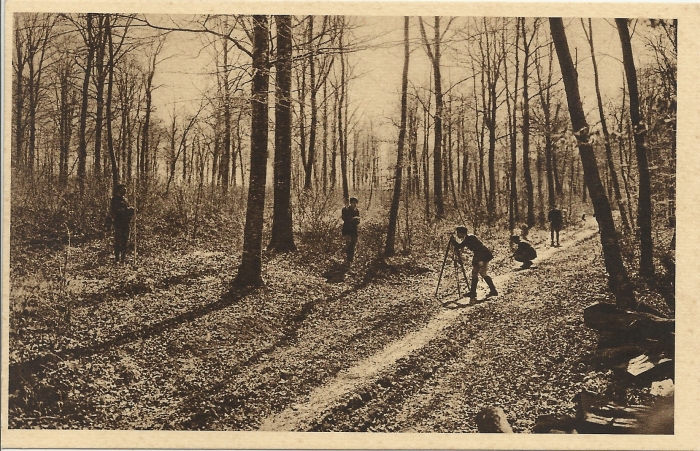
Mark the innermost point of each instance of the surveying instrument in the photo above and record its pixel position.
(456, 261)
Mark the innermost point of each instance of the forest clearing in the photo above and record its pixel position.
(232, 223)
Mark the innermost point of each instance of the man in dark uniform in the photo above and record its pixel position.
(555, 223)
(121, 214)
(351, 219)
(480, 262)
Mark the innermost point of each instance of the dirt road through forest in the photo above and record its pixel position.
(301, 415)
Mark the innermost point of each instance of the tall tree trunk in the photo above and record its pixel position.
(437, 149)
(19, 97)
(313, 90)
(529, 187)
(334, 140)
(434, 56)
(618, 281)
(282, 235)
(324, 170)
(545, 90)
(250, 270)
(82, 149)
(646, 261)
(145, 131)
(226, 156)
(342, 131)
(108, 106)
(394, 211)
(100, 75)
(513, 215)
(31, 88)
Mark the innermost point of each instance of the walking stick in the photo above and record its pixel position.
(444, 260)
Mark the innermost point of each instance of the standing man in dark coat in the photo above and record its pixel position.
(555, 223)
(351, 219)
(121, 214)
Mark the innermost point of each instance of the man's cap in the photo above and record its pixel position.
(353, 199)
(514, 239)
(461, 229)
(120, 186)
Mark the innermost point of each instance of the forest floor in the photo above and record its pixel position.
(166, 344)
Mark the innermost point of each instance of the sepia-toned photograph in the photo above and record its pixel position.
(309, 222)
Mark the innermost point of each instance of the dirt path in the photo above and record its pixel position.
(301, 416)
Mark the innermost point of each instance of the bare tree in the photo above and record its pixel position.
(394, 211)
(433, 51)
(88, 39)
(646, 260)
(146, 159)
(282, 235)
(529, 187)
(250, 270)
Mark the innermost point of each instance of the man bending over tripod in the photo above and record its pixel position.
(480, 262)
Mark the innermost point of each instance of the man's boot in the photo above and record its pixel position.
(472, 292)
(492, 287)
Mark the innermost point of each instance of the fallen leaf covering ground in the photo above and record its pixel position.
(167, 344)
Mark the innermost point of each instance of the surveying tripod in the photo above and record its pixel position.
(456, 260)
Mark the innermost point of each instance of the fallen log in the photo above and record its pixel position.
(608, 318)
(665, 343)
(612, 356)
(493, 420)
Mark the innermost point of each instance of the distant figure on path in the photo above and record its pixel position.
(522, 251)
(480, 262)
(555, 223)
(121, 214)
(351, 219)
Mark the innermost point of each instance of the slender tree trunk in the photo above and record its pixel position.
(342, 131)
(394, 211)
(437, 149)
(513, 216)
(250, 270)
(313, 90)
(225, 164)
(282, 239)
(646, 261)
(334, 139)
(82, 149)
(618, 281)
(529, 187)
(108, 106)
(324, 170)
(100, 75)
(19, 98)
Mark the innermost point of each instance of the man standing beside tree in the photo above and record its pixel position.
(351, 219)
(121, 214)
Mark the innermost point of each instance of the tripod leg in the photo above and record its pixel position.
(464, 272)
(444, 260)
(454, 264)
